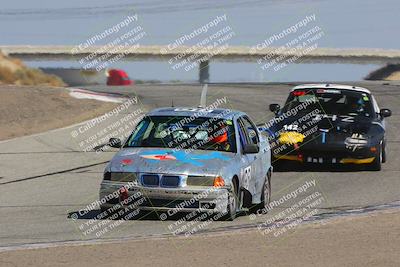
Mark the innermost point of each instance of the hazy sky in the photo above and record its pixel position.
(347, 23)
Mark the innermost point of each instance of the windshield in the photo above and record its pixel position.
(184, 133)
(331, 101)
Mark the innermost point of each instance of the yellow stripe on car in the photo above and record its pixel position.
(357, 161)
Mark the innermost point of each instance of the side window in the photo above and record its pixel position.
(242, 133)
(137, 135)
(375, 105)
(250, 130)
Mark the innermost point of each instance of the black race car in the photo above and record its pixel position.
(328, 124)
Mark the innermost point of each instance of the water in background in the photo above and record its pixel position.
(346, 24)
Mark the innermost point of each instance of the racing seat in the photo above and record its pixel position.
(220, 142)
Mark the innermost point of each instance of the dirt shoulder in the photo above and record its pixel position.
(372, 240)
(27, 110)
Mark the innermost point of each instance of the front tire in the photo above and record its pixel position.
(232, 205)
(384, 152)
(376, 165)
(265, 196)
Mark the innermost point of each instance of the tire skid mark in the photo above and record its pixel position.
(54, 173)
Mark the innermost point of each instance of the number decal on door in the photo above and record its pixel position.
(246, 177)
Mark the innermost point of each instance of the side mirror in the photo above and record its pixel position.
(274, 108)
(251, 149)
(114, 142)
(386, 112)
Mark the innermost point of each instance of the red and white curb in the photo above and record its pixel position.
(86, 94)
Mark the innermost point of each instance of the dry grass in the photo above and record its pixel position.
(395, 76)
(13, 71)
(37, 77)
(6, 75)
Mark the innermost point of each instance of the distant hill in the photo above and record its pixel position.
(390, 72)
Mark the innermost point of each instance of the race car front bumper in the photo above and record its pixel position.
(170, 200)
(333, 156)
(320, 160)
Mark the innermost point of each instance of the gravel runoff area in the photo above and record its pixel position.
(367, 240)
(28, 110)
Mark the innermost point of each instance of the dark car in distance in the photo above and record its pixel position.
(329, 124)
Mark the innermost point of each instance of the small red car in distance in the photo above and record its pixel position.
(118, 77)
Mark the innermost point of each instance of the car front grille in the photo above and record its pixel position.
(155, 180)
(170, 181)
(150, 180)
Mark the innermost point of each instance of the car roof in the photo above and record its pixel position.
(331, 86)
(191, 111)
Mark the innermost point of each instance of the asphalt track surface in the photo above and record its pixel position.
(45, 178)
